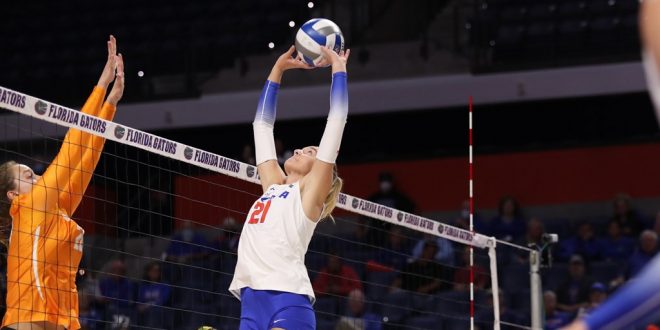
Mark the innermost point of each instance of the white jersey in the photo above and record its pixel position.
(273, 243)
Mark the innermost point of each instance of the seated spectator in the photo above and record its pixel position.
(445, 254)
(424, 275)
(357, 316)
(117, 293)
(187, 245)
(508, 225)
(152, 294)
(336, 278)
(632, 223)
(584, 244)
(533, 236)
(573, 293)
(389, 195)
(394, 255)
(616, 246)
(462, 275)
(648, 247)
(554, 319)
(597, 295)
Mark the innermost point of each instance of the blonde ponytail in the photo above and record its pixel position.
(331, 200)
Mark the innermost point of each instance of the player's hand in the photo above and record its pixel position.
(118, 87)
(286, 61)
(108, 74)
(338, 61)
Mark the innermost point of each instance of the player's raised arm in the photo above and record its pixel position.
(322, 177)
(84, 171)
(270, 171)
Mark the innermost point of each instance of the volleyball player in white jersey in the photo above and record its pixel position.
(271, 278)
(638, 302)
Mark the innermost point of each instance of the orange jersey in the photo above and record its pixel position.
(45, 246)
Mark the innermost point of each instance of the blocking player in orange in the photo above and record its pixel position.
(45, 245)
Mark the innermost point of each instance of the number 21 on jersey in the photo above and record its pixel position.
(259, 212)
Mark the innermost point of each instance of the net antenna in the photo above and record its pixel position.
(491, 252)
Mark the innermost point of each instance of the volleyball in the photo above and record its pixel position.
(317, 33)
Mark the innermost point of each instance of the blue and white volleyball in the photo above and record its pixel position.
(317, 33)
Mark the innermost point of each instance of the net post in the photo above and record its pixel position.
(535, 289)
(495, 284)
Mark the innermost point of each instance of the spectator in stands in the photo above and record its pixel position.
(508, 225)
(117, 293)
(648, 247)
(336, 278)
(584, 244)
(615, 246)
(462, 275)
(152, 294)
(187, 244)
(533, 236)
(424, 275)
(573, 293)
(445, 254)
(357, 315)
(597, 295)
(395, 253)
(387, 195)
(632, 223)
(554, 319)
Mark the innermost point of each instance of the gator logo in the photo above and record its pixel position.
(119, 132)
(40, 107)
(188, 153)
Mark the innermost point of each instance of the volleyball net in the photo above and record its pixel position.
(162, 221)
